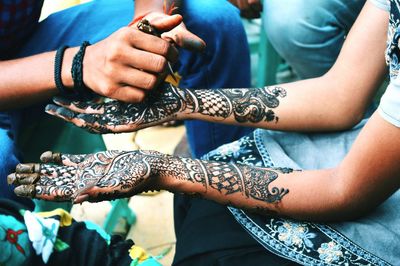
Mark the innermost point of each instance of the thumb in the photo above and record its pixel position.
(166, 23)
(185, 39)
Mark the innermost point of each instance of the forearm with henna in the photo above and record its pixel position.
(247, 106)
(115, 174)
(241, 186)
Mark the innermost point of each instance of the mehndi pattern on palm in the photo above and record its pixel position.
(243, 105)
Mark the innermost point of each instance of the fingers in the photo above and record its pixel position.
(152, 44)
(86, 121)
(185, 39)
(64, 159)
(50, 157)
(23, 179)
(51, 193)
(166, 23)
(44, 181)
(146, 61)
(80, 106)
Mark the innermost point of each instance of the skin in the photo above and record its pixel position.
(131, 63)
(364, 179)
(248, 8)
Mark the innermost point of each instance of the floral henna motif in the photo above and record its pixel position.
(246, 105)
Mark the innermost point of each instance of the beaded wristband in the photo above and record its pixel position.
(77, 73)
(57, 71)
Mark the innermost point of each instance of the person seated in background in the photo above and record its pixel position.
(316, 184)
(308, 36)
(122, 63)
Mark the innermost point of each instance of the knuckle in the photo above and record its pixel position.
(164, 47)
(140, 96)
(150, 82)
(110, 71)
(106, 89)
(123, 33)
(159, 63)
(115, 52)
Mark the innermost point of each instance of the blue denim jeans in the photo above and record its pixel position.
(309, 34)
(224, 63)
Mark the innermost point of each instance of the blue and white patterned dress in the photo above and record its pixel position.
(371, 240)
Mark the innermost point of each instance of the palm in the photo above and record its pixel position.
(116, 116)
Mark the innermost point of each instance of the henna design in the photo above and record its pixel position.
(226, 178)
(257, 185)
(100, 176)
(244, 105)
(114, 174)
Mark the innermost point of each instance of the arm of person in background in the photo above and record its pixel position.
(364, 179)
(335, 101)
(123, 66)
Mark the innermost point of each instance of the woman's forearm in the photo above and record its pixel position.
(281, 191)
(298, 106)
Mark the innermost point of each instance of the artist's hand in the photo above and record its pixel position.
(178, 35)
(248, 8)
(115, 116)
(129, 62)
(93, 177)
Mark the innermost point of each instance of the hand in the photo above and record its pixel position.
(116, 116)
(248, 8)
(129, 63)
(94, 177)
(178, 35)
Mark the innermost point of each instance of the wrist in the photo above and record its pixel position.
(187, 104)
(66, 76)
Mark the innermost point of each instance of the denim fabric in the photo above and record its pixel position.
(308, 37)
(383, 4)
(225, 62)
(389, 107)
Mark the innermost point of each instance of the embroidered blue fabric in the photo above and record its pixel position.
(307, 243)
(389, 107)
(370, 240)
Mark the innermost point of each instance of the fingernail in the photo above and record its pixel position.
(50, 157)
(62, 100)
(51, 108)
(65, 113)
(11, 178)
(27, 168)
(27, 191)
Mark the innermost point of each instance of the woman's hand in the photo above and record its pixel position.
(115, 116)
(94, 177)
